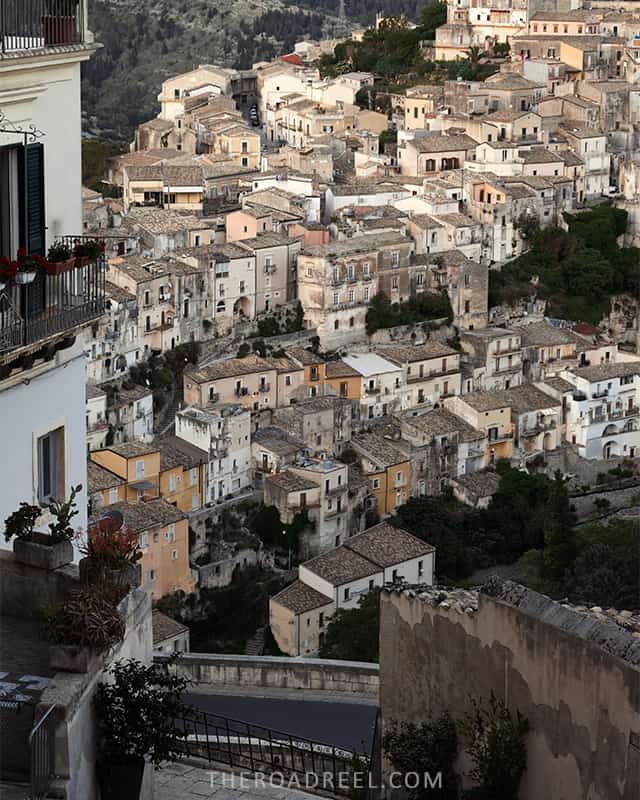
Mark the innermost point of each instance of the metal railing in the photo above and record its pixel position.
(51, 305)
(42, 748)
(247, 747)
(34, 24)
(16, 723)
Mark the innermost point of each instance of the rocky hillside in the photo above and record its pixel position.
(146, 41)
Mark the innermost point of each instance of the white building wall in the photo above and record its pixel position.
(48, 96)
(38, 401)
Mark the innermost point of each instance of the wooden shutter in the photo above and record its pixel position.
(35, 199)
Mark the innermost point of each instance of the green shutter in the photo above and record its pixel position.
(35, 199)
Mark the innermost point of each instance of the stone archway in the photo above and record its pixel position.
(611, 449)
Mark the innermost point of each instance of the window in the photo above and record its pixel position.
(172, 483)
(51, 477)
(113, 495)
(345, 594)
(171, 533)
(139, 469)
(321, 620)
(394, 282)
(174, 555)
(336, 298)
(337, 541)
(143, 540)
(365, 294)
(193, 476)
(152, 575)
(352, 296)
(376, 483)
(245, 147)
(395, 259)
(365, 268)
(287, 380)
(420, 569)
(394, 576)
(344, 389)
(398, 477)
(245, 161)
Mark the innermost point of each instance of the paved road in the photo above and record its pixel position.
(343, 724)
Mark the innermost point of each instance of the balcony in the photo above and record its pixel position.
(600, 394)
(372, 390)
(264, 387)
(50, 306)
(37, 24)
(501, 437)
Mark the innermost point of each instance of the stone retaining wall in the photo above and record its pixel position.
(349, 677)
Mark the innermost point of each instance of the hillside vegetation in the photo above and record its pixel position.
(577, 270)
(146, 41)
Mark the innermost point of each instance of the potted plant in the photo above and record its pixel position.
(111, 554)
(59, 258)
(8, 271)
(137, 711)
(27, 266)
(87, 623)
(44, 550)
(88, 250)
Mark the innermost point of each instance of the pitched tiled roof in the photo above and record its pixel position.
(144, 516)
(385, 545)
(164, 627)
(299, 597)
(99, 478)
(603, 372)
(229, 368)
(291, 482)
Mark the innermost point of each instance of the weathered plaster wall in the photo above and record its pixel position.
(75, 742)
(582, 702)
(351, 677)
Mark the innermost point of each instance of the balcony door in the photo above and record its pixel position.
(22, 218)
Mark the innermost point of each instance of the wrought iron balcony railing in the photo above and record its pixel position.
(37, 24)
(51, 305)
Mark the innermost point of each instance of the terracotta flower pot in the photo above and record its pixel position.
(58, 267)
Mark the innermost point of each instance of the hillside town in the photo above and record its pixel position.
(311, 330)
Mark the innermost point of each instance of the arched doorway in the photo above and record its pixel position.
(242, 307)
(611, 450)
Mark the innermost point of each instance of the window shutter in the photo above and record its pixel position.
(35, 199)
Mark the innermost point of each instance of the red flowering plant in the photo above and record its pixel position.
(8, 269)
(109, 546)
(89, 248)
(30, 262)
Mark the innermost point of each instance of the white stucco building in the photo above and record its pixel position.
(299, 614)
(42, 363)
(603, 414)
(223, 431)
(382, 385)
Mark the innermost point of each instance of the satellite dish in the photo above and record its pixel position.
(116, 518)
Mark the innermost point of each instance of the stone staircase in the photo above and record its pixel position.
(255, 645)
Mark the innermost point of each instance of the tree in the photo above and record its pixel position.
(559, 536)
(433, 16)
(496, 746)
(353, 634)
(447, 525)
(474, 54)
(606, 568)
(427, 749)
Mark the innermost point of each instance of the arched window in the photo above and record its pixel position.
(221, 307)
